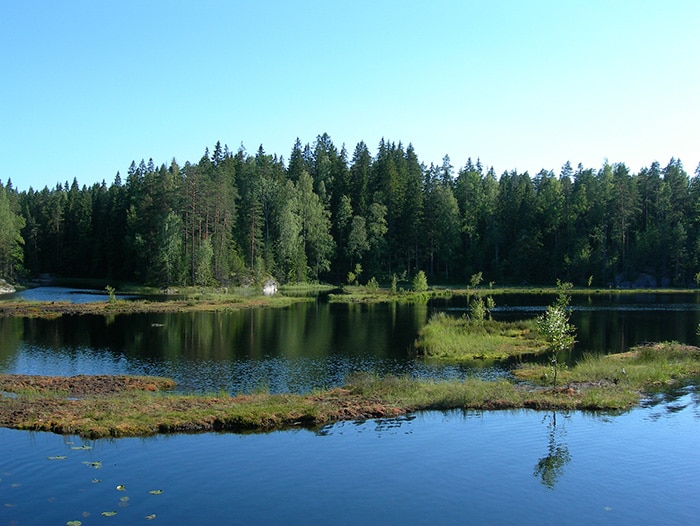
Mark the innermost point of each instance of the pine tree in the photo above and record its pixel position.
(11, 241)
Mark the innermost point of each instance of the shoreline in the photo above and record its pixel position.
(212, 301)
(128, 406)
(49, 309)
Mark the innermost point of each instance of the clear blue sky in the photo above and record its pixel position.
(88, 86)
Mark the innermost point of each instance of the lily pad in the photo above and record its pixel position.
(96, 481)
(81, 448)
(121, 487)
(96, 465)
(150, 517)
(58, 457)
(156, 491)
(74, 523)
(109, 513)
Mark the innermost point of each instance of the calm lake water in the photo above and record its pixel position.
(526, 467)
(508, 467)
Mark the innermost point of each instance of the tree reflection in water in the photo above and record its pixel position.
(550, 467)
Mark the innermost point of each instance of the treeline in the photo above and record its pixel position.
(239, 218)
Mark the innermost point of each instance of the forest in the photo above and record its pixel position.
(326, 216)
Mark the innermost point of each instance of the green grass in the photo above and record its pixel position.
(644, 367)
(474, 393)
(446, 337)
(362, 294)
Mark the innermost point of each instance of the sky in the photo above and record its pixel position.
(88, 86)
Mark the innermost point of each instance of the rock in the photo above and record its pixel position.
(6, 288)
(270, 287)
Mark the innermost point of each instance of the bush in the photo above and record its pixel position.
(420, 282)
(372, 285)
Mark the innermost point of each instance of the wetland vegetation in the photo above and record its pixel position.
(99, 406)
(447, 337)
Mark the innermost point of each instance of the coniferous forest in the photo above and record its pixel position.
(237, 218)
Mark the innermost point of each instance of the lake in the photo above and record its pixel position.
(529, 467)
(308, 345)
(522, 467)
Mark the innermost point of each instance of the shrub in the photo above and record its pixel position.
(420, 282)
(372, 285)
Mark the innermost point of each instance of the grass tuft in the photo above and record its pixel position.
(461, 339)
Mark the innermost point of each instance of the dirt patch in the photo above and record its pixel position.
(341, 404)
(81, 385)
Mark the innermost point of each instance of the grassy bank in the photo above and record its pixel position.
(643, 367)
(193, 303)
(362, 294)
(133, 406)
(575, 291)
(462, 339)
(141, 413)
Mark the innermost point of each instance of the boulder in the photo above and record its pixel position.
(270, 287)
(6, 288)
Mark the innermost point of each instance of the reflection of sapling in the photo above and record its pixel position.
(550, 467)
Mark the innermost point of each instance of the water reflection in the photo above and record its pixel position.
(673, 399)
(11, 334)
(381, 426)
(297, 349)
(312, 345)
(551, 467)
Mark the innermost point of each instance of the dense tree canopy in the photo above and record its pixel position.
(238, 218)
